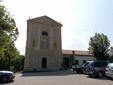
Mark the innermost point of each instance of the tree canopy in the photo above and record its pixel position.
(8, 35)
(99, 46)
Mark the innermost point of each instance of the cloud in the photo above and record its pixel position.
(72, 41)
(111, 44)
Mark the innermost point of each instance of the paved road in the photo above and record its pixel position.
(57, 78)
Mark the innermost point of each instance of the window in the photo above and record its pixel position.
(100, 64)
(84, 61)
(44, 33)
(76, 62)
(44, 42)
(97, 64)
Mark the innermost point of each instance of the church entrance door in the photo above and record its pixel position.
(44, 62)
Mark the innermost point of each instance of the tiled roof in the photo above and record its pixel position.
(76, 52)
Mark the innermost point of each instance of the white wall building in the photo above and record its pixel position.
(78, 57)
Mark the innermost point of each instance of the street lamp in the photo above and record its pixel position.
(73, 56)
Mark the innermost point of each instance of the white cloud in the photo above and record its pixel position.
(76, 42)
(111, 44)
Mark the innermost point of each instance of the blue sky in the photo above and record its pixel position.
(81, 19)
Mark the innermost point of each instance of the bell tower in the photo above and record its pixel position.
(43, 45)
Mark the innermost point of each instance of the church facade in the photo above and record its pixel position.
(44, 49)
(43, 45)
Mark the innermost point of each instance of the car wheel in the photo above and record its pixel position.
(100, 74)
(4, 78)
(77, 71)
(90, 75)
(111, 78)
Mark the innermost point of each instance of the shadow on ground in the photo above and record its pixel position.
(7, 82)
(103, 78)
(51, 73)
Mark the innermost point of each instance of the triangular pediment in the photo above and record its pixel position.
(45, 20)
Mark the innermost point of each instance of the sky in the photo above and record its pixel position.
(81, 19)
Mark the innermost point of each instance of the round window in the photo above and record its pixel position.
(44, 33)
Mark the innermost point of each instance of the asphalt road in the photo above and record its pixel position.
(57, 78)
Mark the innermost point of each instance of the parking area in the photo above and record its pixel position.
(57, 78)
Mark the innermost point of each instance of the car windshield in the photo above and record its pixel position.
(90, 64)
(85, 64)
(111, 65)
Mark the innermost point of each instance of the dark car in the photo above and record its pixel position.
(84, 65)
(109, 71)
(79, 69)
(76, 68)
(6, 76)
(96, 68)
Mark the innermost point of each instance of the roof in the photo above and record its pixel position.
(44, 20)
(75, 52)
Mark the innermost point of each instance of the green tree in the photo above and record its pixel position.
(98, 46)
(19, 63)
(111, 59)
(8, 36)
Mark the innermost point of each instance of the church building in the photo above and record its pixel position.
(43, 45)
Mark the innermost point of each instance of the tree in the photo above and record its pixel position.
(8, 35)
(98, 46)
(19, 63)
(111, 54)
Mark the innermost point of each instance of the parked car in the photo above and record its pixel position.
(109, 70)
(85, 64)
(77, 68)
(95, 68)
(6, 76)
(73, 66)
